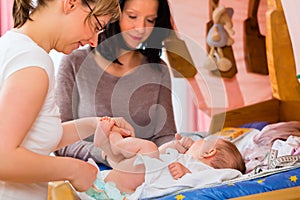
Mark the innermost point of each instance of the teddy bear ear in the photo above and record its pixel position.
(217, 13)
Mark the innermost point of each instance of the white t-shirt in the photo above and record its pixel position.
(18, 51)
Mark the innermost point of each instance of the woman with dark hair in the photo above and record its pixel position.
(151, 47)
(124, 76)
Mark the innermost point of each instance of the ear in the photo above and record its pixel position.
(70, 5)
(209, 153)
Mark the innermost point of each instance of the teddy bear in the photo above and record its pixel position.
(219, 35)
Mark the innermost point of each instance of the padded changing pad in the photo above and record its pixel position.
(263, 182)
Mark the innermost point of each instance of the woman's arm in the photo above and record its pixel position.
(21, 99)
(77, 129)
(81, 128)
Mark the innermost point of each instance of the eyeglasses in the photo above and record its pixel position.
(97, 29)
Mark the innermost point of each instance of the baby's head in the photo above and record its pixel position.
(218, 153)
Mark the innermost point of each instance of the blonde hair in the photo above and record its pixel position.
(23, 8)
(103, 8)
(227, 156)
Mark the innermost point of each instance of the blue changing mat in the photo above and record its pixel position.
(280, 180)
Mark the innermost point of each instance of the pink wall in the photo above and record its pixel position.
(6, 21)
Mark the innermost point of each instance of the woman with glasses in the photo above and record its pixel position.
(30, 127)
(123, 76)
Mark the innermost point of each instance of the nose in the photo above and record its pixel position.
(94, 40)
(140, 26)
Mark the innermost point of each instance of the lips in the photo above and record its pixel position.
(136, 38)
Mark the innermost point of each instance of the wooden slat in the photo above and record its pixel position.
(289, 111)
(267, 111)
(254, 42)
(179, 57)
(280, 56)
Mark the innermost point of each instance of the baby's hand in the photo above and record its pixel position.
(181, 144)
(185, 142)
(177, 170)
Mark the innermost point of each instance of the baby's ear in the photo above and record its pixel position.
(209, 153)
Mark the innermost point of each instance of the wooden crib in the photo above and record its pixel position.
(285, 105)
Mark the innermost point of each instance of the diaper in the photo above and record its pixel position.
(108, 191)
(105, 191)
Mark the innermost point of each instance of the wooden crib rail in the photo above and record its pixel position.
(280, 56)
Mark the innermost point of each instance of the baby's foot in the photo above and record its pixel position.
(103, 130)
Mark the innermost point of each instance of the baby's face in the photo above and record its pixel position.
(194, 149)
(201, 146)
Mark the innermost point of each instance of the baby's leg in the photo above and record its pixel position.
(131, 146)
(125, 170)
(101, 138)
(127, 177)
